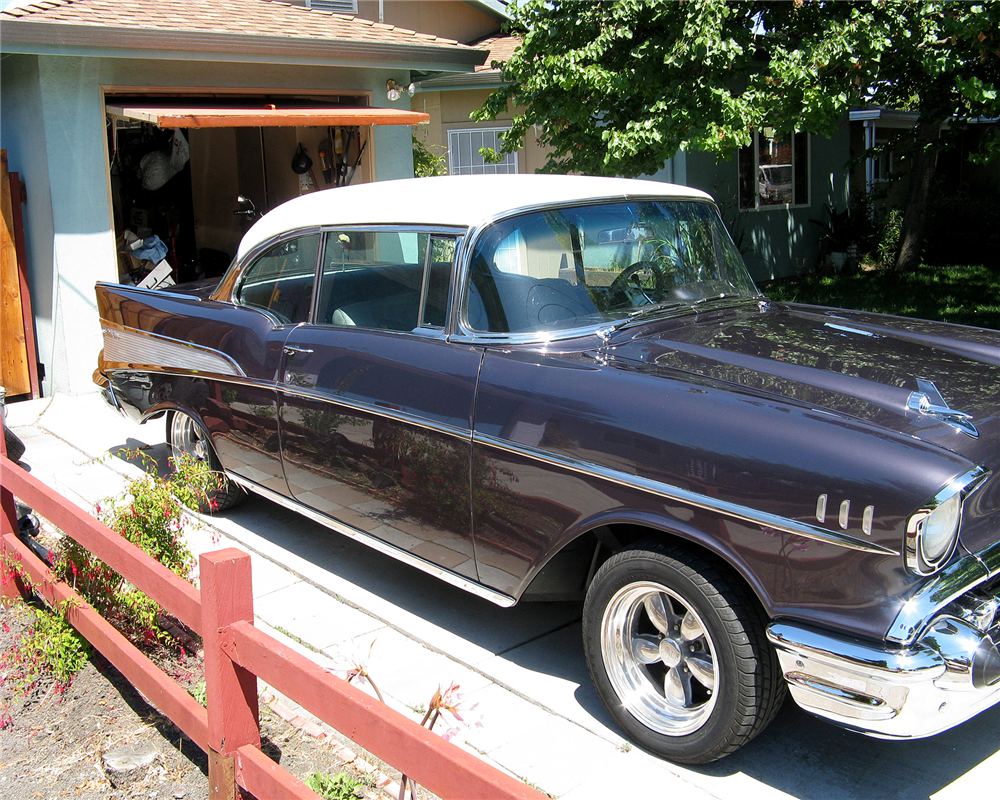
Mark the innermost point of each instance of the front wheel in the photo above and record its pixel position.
(186, 437)
(678, 653)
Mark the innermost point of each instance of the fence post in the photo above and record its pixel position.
(11, 585)
(231, 691)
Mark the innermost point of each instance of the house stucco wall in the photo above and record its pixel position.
(53, 127)
(58, 138)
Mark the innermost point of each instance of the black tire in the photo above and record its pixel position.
(15, 447)
(185, 435)
(702, 689)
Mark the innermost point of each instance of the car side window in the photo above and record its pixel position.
(386, 279)
(281, 280)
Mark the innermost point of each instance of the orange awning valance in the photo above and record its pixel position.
(197, 116)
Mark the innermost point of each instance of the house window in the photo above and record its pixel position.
(337, 6)
(774, 171)
(464, 157)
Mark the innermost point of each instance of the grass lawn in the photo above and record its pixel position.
(967, 295)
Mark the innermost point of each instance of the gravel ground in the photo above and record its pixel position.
(52, 743)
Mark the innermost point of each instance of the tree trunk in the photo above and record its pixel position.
(924, 166)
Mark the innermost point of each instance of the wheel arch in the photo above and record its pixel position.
(604, 534)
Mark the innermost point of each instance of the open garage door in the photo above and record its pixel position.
(178, 164)
(210, 115)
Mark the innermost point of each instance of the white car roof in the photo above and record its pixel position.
(452, 200)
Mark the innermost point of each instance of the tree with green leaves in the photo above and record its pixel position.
(617, 88)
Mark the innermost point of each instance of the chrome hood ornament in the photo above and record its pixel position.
(929, 403)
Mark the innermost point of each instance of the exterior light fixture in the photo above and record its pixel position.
(394, 91)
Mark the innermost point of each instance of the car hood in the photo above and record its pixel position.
(865, 366)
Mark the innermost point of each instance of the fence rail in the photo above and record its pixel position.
(236, 654)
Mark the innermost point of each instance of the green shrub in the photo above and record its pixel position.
(151, 515)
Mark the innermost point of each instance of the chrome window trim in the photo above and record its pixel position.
(227, 286)
(464, 333)
(465, 434)
(459, 581)
(257, 253)
(226, 290)
(674, 493)
(112, 330)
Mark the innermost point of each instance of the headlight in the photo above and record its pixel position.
(940, 530)
(932, 532)
(931, 535)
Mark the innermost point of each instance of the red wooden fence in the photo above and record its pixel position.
(236, 654)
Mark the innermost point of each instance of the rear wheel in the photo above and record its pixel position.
(187, 437)
(677, 652)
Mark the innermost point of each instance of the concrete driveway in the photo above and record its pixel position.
(522, 667)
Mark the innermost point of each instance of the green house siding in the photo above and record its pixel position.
(777, 242)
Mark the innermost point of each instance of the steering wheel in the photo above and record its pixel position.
(642, 277)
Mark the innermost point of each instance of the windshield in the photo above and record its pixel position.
(573, 267)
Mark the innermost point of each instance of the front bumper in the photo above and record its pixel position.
(950, 672)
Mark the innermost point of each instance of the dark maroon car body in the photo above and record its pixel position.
(787, 443)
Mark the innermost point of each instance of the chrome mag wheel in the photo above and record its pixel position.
(675, 644)
(660, 658)
(186, 437)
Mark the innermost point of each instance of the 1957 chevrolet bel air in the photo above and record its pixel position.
(552, 387)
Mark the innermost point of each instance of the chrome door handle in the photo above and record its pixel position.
(291, 351)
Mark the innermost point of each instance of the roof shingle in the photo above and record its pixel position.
(243, 17)
(501, 47)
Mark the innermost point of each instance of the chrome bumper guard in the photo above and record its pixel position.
(109, 397)
(951, 673)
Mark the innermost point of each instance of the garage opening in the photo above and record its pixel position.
(190, 173)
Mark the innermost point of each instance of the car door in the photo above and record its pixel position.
(376, 405)
(274, 294)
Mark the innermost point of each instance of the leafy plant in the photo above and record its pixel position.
(198, 692)
(444, 702)
(49, 646)
(425, 163)
(447, 703)
(889, 229)
(337, 787)
(151, 515)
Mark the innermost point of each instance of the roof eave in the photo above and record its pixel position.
(127, 42)
(485, 79)
(496, 7)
